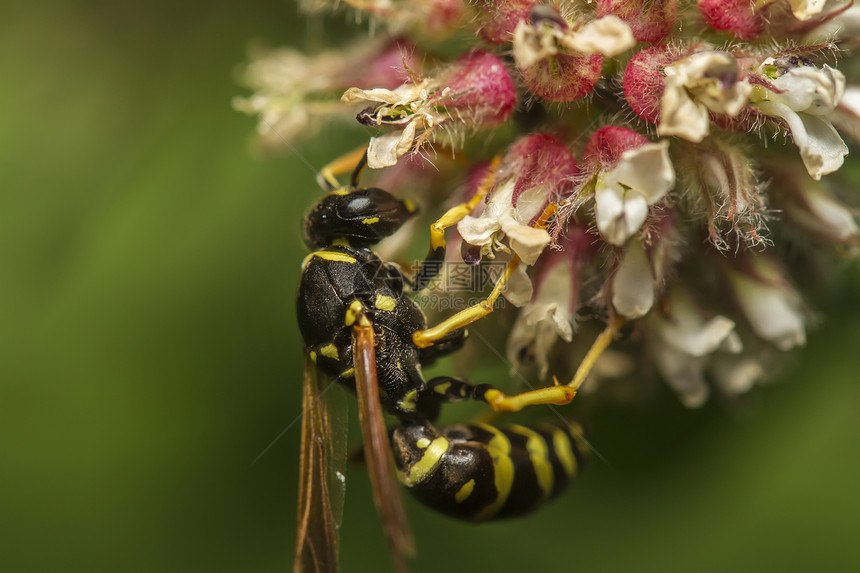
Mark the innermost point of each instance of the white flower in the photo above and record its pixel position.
(608, 36)
(683, 340)
(633, 286)
(501, 215)
(805, 101)
(546, 318)
(519, 289)
(695, 85)
(770, 304)
(641, 178)
(408, 105)
(735, 373)
(282, 81)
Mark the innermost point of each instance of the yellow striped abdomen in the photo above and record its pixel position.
(481, 472)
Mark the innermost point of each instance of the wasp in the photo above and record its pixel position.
(361, 329)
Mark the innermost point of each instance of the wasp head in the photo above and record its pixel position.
(362, 217)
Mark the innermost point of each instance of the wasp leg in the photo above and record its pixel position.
(354, 161)
(432, 263)
(447, 389)
(451, 343)
(558, 394)
(429, 336)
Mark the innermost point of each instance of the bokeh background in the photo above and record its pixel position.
(148, 349)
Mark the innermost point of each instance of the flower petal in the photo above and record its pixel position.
(527, 242)
(619, 213)
(385, 150)
(378, 95)
(608, 36)
(770, 311)
(820, 145)
(683, 374)
(736, 374)
(478, 231)
(647, 169)
(633, 284)
(680, 115)
(518, 290)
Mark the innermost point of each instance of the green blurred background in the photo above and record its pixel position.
(149, 351)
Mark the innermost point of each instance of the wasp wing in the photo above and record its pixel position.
(377, 447)
(320, 481)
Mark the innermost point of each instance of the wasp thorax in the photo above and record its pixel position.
(361, 217)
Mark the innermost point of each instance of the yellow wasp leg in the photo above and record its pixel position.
(431, 265)
(327, 177)
(558, 394)
(425, 338)
(456, 214)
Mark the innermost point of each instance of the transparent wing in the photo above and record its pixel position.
(377, 448)
(321, 484)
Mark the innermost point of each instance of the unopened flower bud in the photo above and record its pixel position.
(499, 18)
(649, 20)
(739, 17)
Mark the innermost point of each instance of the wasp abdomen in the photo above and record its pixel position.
(480, 472)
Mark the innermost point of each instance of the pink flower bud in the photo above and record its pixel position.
(564, 78)
(540, 162)
(643, 81)
(606, 145)
(739, 17)
(442, 17)
(650, 21)
(478, 89)
(499, 18)
(386, 68)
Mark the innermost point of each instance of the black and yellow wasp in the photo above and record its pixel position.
(361, 328)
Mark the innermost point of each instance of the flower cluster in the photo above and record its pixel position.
(684, 146)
